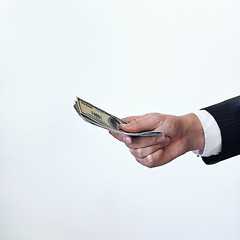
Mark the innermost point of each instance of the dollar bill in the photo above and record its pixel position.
(101, 118)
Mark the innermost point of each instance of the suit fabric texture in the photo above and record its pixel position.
(227, 116)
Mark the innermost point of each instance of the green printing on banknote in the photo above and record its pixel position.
(101, 118)
(98, 115)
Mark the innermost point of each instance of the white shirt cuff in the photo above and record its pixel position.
(212, 133)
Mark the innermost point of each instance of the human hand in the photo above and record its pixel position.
(181, 134)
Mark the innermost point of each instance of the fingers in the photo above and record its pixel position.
(143, 142)
(148, 151)
(152, 156)
(141, 153)
(121, 137)
(153, 160)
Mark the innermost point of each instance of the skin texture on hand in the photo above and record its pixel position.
(181, 134)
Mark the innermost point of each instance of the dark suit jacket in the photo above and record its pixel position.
(227, 115)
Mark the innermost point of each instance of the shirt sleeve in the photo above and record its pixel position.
(212, 133)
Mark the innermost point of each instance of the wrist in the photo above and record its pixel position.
(194, 132)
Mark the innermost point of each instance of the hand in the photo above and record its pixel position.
(181, 134)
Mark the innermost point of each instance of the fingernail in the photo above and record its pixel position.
(159, 140)
(127, 140)
(150, 158)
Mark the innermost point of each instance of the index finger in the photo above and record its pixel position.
(121, 137)
(143, 142)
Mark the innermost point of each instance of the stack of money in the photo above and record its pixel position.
(100, 118)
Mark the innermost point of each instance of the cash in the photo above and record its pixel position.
(100, 118)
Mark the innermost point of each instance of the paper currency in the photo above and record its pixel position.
(101, 118)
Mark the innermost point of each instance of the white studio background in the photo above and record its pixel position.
(61, 178)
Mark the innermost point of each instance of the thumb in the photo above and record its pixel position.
(146, 123)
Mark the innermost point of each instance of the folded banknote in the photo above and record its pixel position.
(101, 118)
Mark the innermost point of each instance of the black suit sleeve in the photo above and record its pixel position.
(227, 116)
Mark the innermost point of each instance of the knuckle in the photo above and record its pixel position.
(154, 140)
(139, 160)
(130, 145)
(140, 152)
(133, 152)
